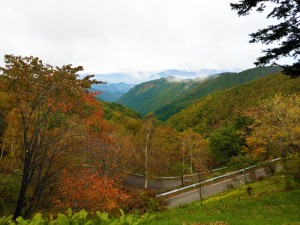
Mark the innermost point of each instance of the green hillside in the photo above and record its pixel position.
(202, 89)
(209, 112)
(151, 95)
(268, 204)
(118, 113)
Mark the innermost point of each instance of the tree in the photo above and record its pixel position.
(286, 33)
(167, 150)
(112, 155)
(48, 104)
(201, 162)
(181, 168)
(144, 146)
(194, 143)
(224, 143)
(276, 133)
(88, 189)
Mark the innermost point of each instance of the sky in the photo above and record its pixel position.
(136, 37)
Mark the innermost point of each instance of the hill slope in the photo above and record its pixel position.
(213, 84)
(212, 110)
(118, 113)
(151, 95)
(168, 95)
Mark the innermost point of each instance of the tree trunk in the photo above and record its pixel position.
(25, 182)
(2, 152)
(146, 182)
(182, 181)
(146, 155)
(26, 173)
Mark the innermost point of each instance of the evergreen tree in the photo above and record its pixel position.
(286, 33)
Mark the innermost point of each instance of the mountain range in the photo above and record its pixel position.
(111, 92)
(169, 95)
(182, 74)
(140, 77)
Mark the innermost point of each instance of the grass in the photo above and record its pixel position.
(268, 204)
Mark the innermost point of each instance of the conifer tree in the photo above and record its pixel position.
(286, 33)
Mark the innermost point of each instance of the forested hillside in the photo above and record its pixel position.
(116, 112)
(167, 96)
(221, 107)
(202, 89)
(150, 96)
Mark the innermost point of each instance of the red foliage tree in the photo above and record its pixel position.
(89, 190)
(51, 106)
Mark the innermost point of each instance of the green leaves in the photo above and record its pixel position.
(36, 220)
(79, 218)
(225, 143)
(103, 217)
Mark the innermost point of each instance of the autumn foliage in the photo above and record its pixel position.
(49, 117)
(276, 132)
(89, 190)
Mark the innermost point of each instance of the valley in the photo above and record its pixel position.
(168, 127)
(155, 112)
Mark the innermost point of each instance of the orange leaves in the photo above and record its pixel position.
(94, 118)
(63, 106)
(97, 126)
(90, 97)
(88, 190)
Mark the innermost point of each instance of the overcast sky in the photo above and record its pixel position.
(130, 36)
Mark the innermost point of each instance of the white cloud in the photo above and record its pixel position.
(108, 36)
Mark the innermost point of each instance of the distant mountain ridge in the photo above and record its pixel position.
(151, 95)
(113, 87)
(185, 74)
(141, 77)
(111, 91)
(167, 96)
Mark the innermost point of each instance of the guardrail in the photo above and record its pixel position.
(213, 179)
(175, 177)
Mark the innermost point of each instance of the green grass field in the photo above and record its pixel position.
(268, 204)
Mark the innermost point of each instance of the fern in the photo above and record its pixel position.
(79, 218)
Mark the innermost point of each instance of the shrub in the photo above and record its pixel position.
(144, 201)
(78, 218)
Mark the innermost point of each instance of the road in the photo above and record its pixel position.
(157, 184)
(210, 190)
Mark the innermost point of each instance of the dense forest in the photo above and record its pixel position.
(62, 148)
(225, 106)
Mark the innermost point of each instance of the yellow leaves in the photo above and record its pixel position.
(278, 127)
(5, 103)
(256, 145)
(259, 151)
